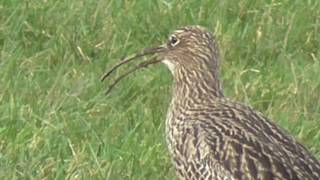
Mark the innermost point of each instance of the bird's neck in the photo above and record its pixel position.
(190, 90)
(196, 87)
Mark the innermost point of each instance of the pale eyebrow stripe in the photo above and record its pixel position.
(179, 31)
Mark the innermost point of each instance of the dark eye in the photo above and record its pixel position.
(173, 40)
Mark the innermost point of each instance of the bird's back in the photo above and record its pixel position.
(228, 140)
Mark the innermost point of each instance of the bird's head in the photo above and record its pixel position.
(189, 50)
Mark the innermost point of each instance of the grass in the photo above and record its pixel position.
(56, 122)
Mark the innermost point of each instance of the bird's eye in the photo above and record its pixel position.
(173, 40)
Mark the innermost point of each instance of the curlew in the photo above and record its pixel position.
(210, 136)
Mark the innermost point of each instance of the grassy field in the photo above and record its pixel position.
(56, 122)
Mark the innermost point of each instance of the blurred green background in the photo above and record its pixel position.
(56, 122)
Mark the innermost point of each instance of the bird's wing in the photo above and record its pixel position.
(249, 146)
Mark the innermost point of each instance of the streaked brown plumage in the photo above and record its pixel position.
(212, 137)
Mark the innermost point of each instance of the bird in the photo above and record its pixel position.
(210, 136)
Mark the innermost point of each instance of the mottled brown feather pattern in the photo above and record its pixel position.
(212, 137)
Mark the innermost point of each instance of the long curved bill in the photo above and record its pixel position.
(144, 64)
